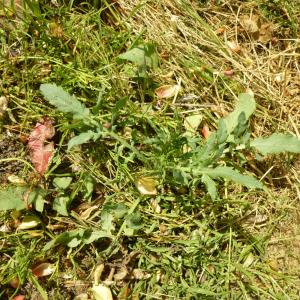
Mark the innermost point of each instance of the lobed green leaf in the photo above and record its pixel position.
(246, 104)
(142, 55)
(276, 143)
(231, 174)
(17, 197)
(81, 139)
(210, 185)
(63, 101)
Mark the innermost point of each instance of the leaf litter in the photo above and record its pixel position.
(40, 151)
(259, 31)
(167, 91)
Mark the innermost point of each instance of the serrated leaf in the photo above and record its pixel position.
(191, 123)
(81, 139)
(181, 177)
(241, 126)
(16, 197)
(93, 235)
(37, 198)
(231, 174)
(210, 185)
(107, 222)
(142, 55)
(134, 221)
(276, 143)
(63, 101)
(88, 183)
(62, 182)
(221, 132)
(60, 204)
(246, 104)
(76, 237)
(118, 210)
(71, 239)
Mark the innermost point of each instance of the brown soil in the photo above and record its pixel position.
(10, 147)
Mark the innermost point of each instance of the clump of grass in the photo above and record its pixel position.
(179, 244)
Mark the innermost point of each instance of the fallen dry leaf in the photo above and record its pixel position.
(122, 273)
(82, 296)
(41, 153)
(29, 222)
(234, 46)
(229, 73)
(86, 213)
(97, 273)
(19, 297)
(249, 260)
(220, 30)
(167, 91)
(273, 264)
(205, 131)
(43, 269)
(102, 292)
(155, 206)
(15, 179)
(265, 33)
(260, 32)
(140, 274)
(146, 186)
(5, 228)
(3, 105)
(250, 23)
(14, 283)
(56, 30)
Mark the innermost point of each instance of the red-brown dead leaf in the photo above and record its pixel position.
(228, 73)
(234, 46)
(167, 91)
(43, 269)
(19, 297)
(205, 131)
(220, 30)
(41, 153)
(14, 283)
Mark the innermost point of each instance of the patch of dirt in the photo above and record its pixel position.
(10, 148)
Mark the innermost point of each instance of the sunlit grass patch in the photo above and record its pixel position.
(138, 196)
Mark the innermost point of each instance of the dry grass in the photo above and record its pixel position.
(193, 41)
(245, 244)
